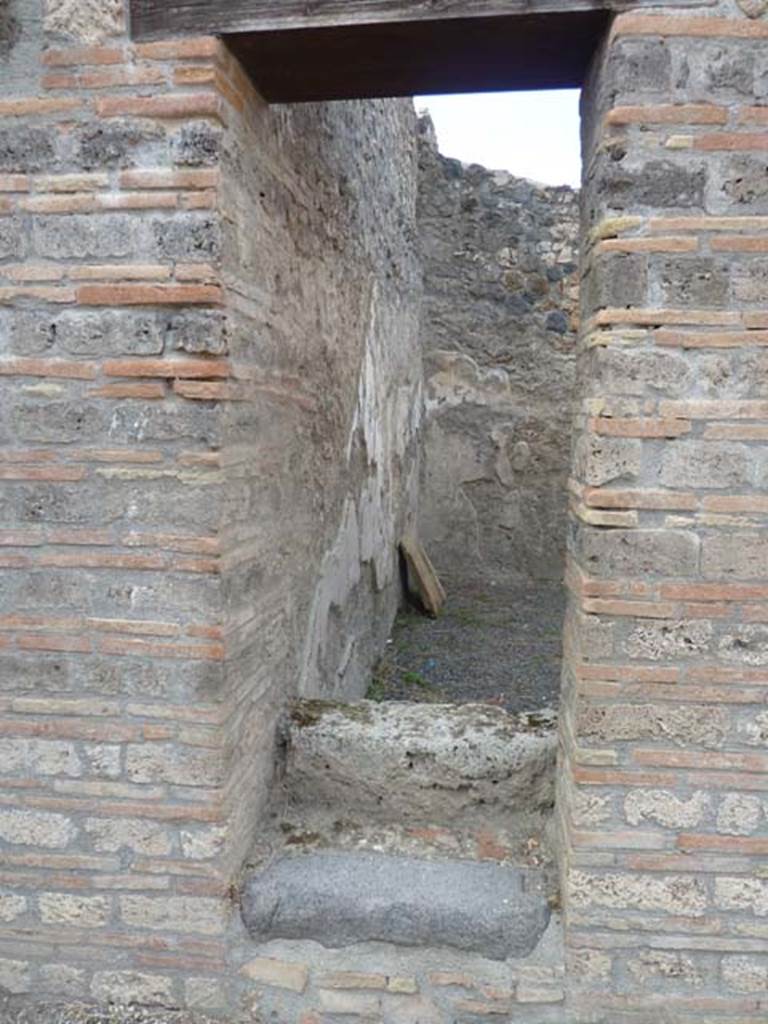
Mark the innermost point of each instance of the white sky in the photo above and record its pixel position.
(531, 134)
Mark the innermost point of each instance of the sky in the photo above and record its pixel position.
(531, 134)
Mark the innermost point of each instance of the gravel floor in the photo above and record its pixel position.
(495, 644)
(77, 1013)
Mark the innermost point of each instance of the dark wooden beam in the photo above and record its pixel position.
(155, 18)
(407, 59)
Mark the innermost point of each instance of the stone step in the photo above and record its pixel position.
(341, 898)
(445, 764)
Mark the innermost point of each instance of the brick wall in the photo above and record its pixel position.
(197, 307)
(663, 789)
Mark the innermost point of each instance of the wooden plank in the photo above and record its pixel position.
(157, 18)
(369, 61)
(422, 578)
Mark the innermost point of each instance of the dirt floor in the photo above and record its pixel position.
(492, 644)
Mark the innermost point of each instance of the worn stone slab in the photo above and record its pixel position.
(435, 763)
(339, 899)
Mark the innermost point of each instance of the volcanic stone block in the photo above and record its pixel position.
(340, 899)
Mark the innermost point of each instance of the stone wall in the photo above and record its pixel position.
(210, 397)
(500, 257)
(663, 707)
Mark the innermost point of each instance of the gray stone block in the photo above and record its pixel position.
(342, 899)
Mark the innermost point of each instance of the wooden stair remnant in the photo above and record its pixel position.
(422, 578)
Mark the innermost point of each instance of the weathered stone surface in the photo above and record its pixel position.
(110, 835)
(602, 460)
(692, 724)
(660, 639)
(742, 894)
(671, 894)
(75, 911)
(87, 21)
(11, 906)
(738, 555)
(417, 762)
(639, 552)
(36, 828)
(499, 257)
(746, 645)
(133, 987)
(745, 974)
(654, 965)
(15, 976)
(665, 808)
(167, 762)
(705, 464)
(739, 814)
(344, 899)
(185, 914)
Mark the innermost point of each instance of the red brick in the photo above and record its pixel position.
(663, 317)
(674, 25)
(735, 503)
(648, 245)
(53, 473)
(174, 542)
(31, 106)
(205, 566)
(739, 243)
(150, 563)
(43, 294)
(167, 179)
(21, 538)
(85, 537)
(667, 113)
(148, 295)
(143, 391)
(124, 455)
(135, 627)
(195, 74)
(178, 107)
(120, 272)
(186, 652)
(749, 846)
(171, 368)
(198, 47)
(713, 591)
(718, 339)
(695, 759)
(637, 609)
(598, 497)
(628, 673)
(198, 200)
(60, 204)
(14, 183)
(732, 141)
(118, 77)
(619, 777)
(93, 55)
(28, 455)
(47, 368)
(636, 427)
(208, 391)
(50, 642)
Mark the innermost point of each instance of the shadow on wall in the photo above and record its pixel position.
(498, 334)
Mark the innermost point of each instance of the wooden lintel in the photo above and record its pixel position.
(162, 18)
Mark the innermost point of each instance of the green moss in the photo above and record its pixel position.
(306, 713)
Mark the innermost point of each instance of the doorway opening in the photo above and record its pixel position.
(499, 253)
